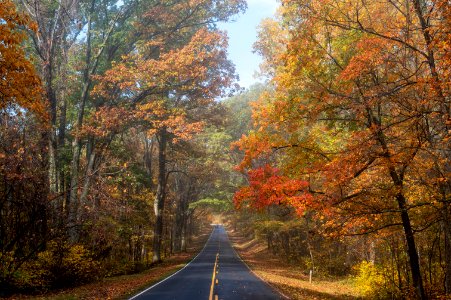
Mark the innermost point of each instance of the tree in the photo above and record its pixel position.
(186, 77)
(357, 112)
(20, 84)
(172, 78)
(129, 85)
(24, 214)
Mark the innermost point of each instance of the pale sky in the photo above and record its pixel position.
(242, 35)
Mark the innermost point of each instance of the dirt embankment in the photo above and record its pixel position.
(286, 278)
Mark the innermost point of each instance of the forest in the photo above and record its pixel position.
(124, 134)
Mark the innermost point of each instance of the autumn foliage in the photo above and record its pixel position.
(360, 113)
(20, 85)
(346, 159)
(267, 187)
(124, 90)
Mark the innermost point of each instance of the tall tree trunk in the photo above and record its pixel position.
(414, 259)
(88, 178)
(397, 179)
(76, 144)
(62, 183)
(149, 146)
(184, 232)
(160, 196)
(184, 190)
(447, 232)
(51, 98)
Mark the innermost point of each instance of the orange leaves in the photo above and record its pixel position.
(161, 80)
(255, 144)
(268, 187)
(107, 121)
(188, 69)
(174, 120)
(354, 93)
(19, 83)
(372, 52)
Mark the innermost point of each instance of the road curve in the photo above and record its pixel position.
(196, 281)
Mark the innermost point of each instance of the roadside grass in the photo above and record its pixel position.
(124, 286)
(288, 279)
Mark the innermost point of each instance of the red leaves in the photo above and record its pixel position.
(268, 187)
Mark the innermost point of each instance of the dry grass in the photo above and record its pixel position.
(122, 287)
(286, 278)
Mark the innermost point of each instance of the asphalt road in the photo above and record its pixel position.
(196, 281)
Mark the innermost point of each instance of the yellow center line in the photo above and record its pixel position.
(213, 278)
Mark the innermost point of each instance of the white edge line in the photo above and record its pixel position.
(252, 271)
(137, 295)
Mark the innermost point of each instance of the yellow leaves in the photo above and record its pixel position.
(151, 109)
(271, 44)
(369, 278)
(75, 262)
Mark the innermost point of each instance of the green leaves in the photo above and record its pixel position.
(213, 204)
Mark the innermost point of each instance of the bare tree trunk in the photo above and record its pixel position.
(411, 248)
(148, 153)
(160, 196)
(184, 190)
(76, 144)
(88, 178)
(447, 233)
(184, 232)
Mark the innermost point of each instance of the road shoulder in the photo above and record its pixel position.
(285, 278)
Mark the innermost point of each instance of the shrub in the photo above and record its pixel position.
(369, 280)
(59, 265)
(75, 265)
